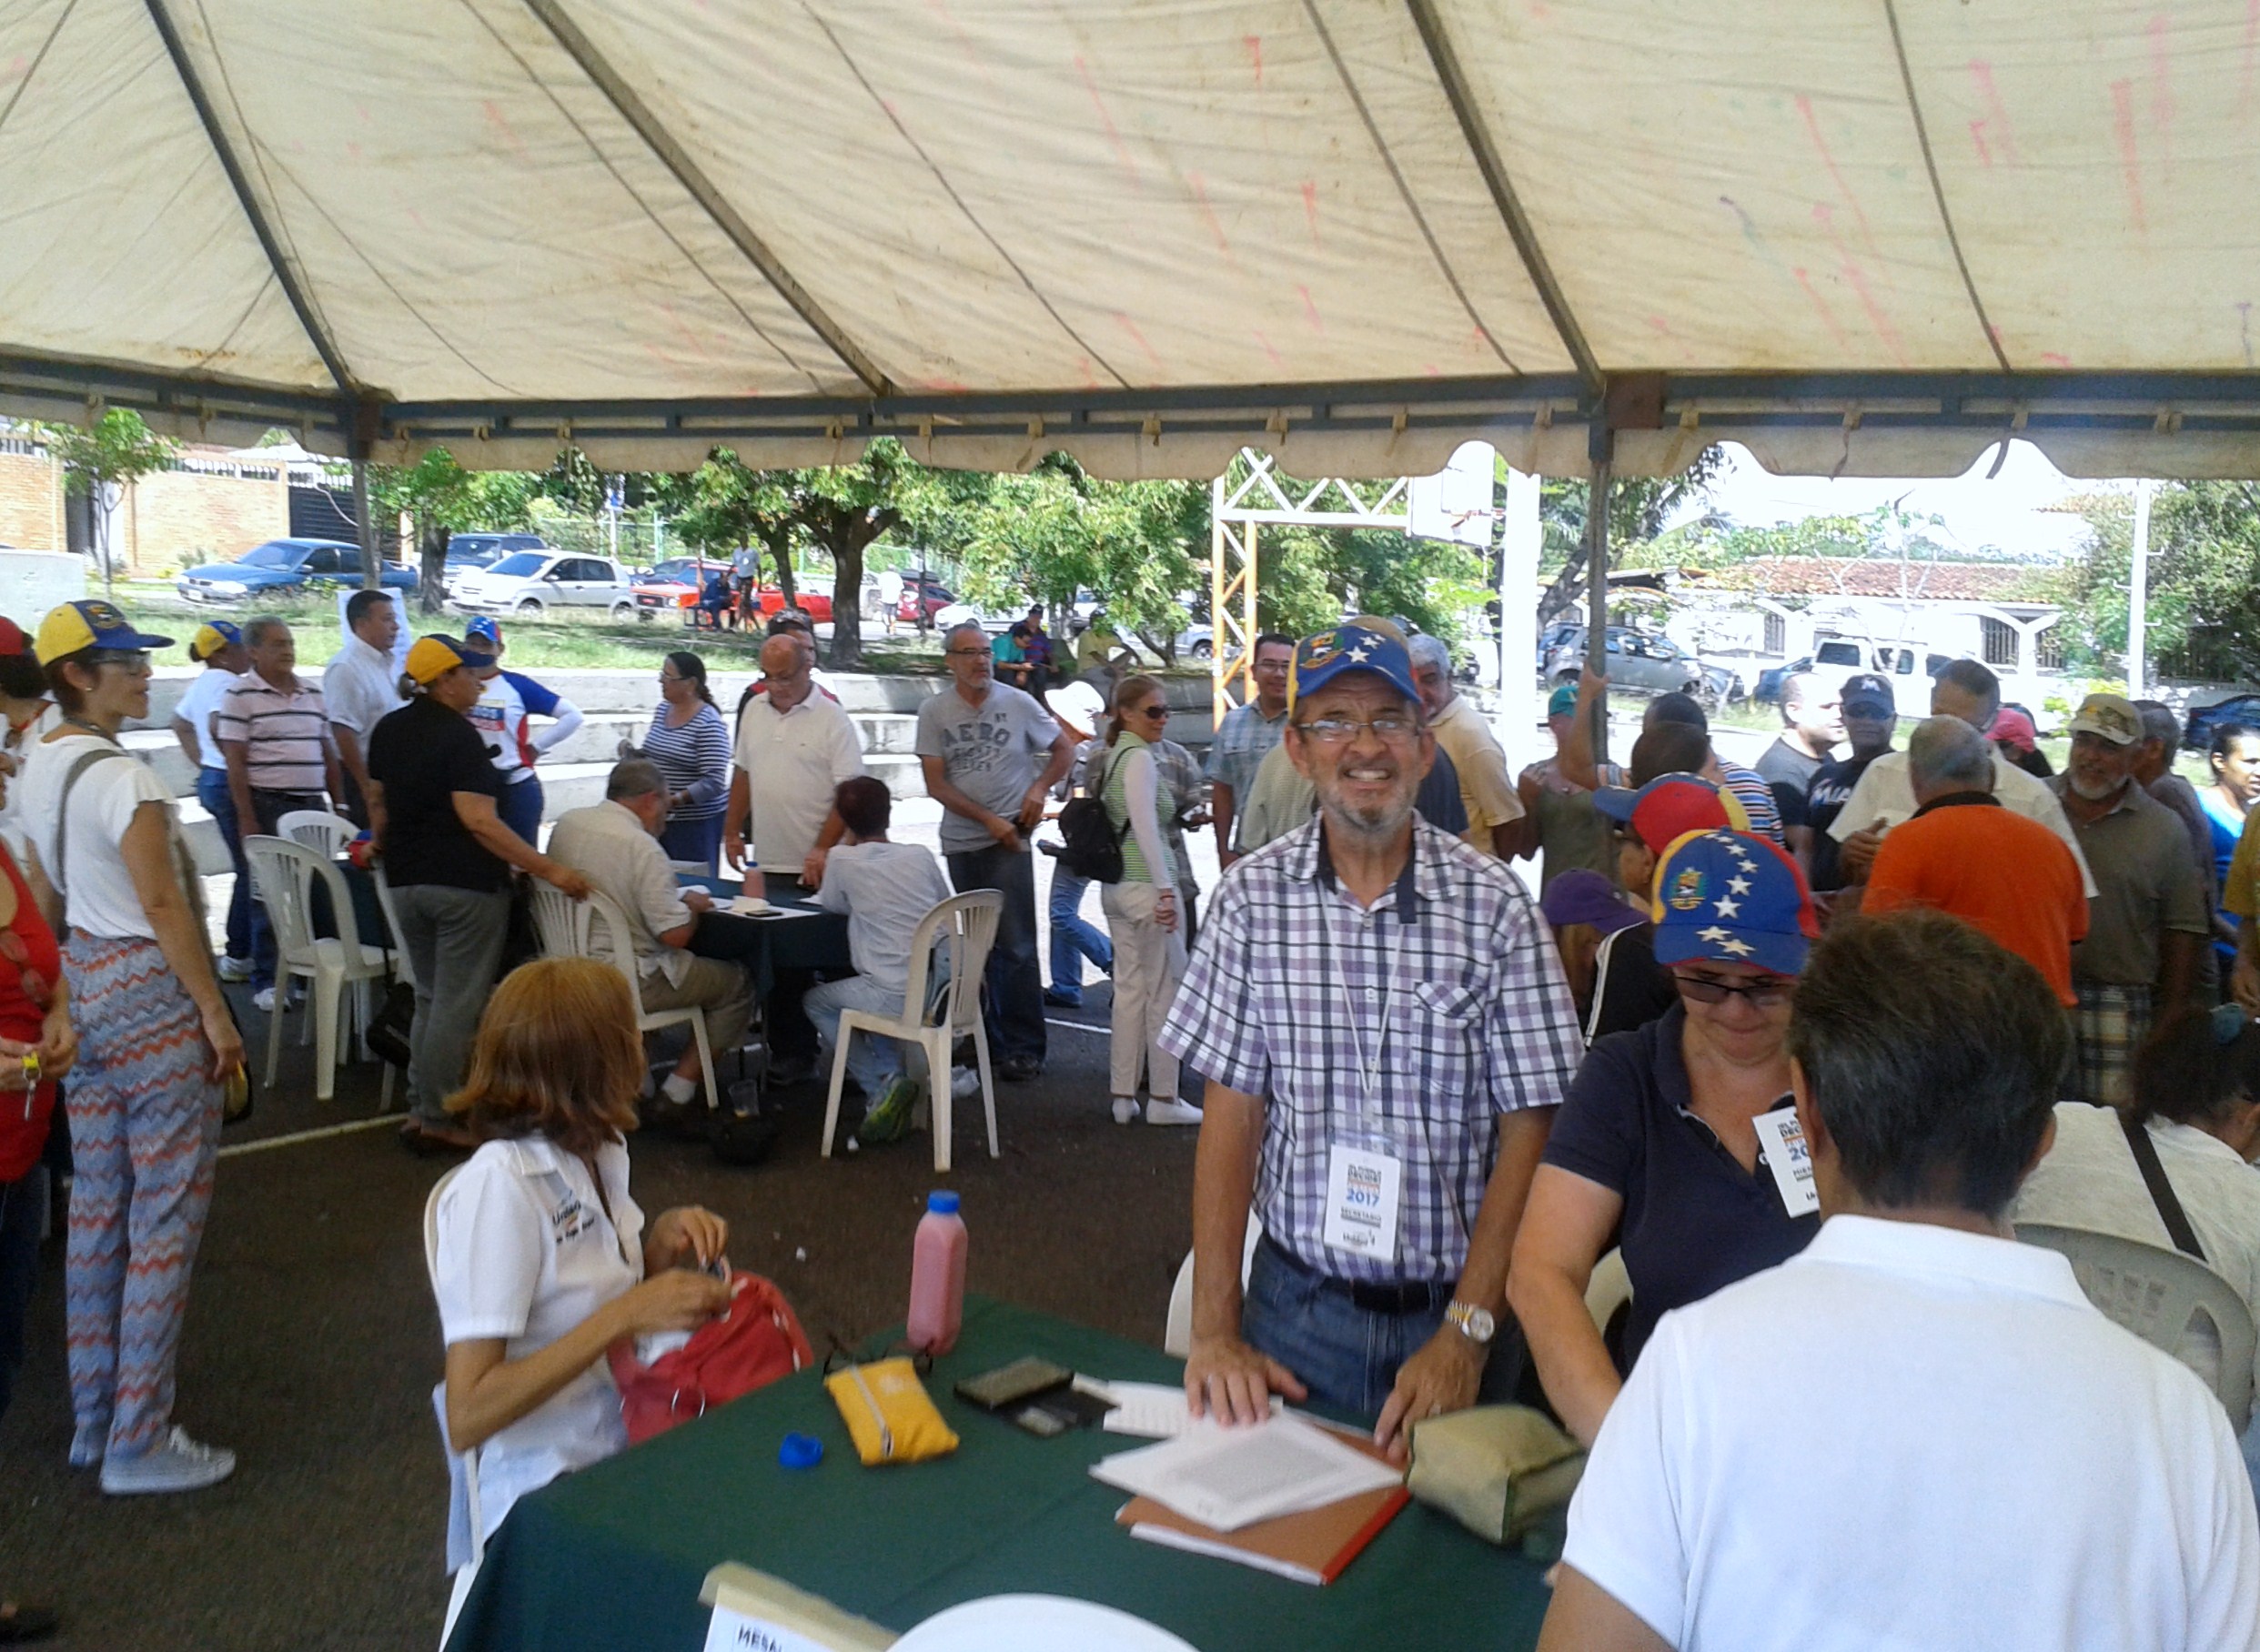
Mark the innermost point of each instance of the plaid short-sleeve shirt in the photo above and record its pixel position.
(1447, 995)
(1241, 742)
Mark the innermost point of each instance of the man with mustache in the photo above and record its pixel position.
(1385, 1031)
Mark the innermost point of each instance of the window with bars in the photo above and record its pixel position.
(2048, 649)
(1777, 634)
(1997, 643)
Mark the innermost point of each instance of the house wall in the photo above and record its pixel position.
(201, 516)
(31, 496)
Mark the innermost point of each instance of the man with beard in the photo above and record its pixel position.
(2147, 923)
(1386, 1031)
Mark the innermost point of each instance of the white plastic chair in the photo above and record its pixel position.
(462, 1465)
(2161, 1295)
(1178, 1329)
(569, 928)
(318, 830)
(966, 925)
(1609, 1289)
(284, 874)
(401, 965)
(1037, 1623)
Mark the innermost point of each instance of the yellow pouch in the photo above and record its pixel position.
(889, 1414)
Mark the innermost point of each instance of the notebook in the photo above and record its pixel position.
(1312, 1547)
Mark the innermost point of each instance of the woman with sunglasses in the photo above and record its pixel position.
(155, 1040)
(1671, 1139)
(2197, 1115)
(1141, 914)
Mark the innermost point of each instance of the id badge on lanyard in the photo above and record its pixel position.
(1790, 1160)
(1364, 1166)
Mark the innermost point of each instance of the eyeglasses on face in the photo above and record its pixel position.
(1341, 731)
(1156, 710)
(1764, 993)
(967, 653)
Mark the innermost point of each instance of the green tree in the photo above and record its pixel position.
(441, 498)
(1639, 508)
(114, 452)
(2203, 607)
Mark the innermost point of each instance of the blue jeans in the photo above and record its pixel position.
(520, 809)
(220, 804)
(1348, 1355)
(873, 1062)
(1072, 940)
(1014, 1012)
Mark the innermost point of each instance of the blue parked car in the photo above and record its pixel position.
(285, 565)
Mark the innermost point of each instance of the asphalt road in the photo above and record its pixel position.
(312, 1345)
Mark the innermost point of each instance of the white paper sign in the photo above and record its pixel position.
(1790, 1160)
(735, 1632)
(1362, 1189)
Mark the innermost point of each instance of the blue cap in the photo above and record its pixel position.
(1732, 897)
(92, 624)
(800, 1451)
(941, 1204)
(1326, 655)
(484, 629)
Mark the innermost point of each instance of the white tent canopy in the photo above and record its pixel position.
(1858, 235)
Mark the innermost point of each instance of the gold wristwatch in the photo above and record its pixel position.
(1477, 1324)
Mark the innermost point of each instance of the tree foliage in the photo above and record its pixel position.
(116, 450)
(440, 497)
(2202, 611)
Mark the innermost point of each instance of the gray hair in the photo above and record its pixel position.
(256, 628)
(1944, 753)
(2160, 724)
(963, 626)
(1427, 651)
(634, 777)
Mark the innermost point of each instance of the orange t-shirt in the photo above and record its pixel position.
(2010, 877)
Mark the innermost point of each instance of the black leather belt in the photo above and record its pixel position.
(1407, 1296)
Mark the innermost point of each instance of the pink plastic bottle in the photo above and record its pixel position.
(937, 1304)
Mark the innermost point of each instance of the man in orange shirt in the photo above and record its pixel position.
(1963, 853)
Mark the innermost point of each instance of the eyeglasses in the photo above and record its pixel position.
(133, 659)
(967, 653)
(1153, 711)
(1341, 731)
(1764, 993)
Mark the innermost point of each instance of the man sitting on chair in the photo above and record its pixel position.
(886, 890)
(616, 844)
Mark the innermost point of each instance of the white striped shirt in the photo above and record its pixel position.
(285, 732)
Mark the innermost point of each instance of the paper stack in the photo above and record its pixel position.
(1225, 1479)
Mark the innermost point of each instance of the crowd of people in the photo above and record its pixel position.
(1799, 1042)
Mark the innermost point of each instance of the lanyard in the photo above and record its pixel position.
(1369, 1113)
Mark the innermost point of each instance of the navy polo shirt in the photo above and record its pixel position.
(1694, 1220)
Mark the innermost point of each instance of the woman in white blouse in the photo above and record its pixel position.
(1142, 915)
(544, 1260)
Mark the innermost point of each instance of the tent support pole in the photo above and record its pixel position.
(286, 274)
(1603, 448)
(638, 115)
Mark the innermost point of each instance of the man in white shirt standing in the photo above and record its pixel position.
(1885, 797)
(1918, 1432)
(217, 646)
(794, 747)
(886, 890)
(360, 684)
(615, 844)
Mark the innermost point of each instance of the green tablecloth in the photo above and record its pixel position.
(818, 942)
(613, 1559)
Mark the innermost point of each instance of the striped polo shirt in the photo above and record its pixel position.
(285, 731)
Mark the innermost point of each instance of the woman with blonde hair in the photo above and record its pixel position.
(544, 1261)
(1142, 915)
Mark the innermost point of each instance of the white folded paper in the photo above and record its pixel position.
(1227, 1477)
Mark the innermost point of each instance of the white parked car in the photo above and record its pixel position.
(527, 584)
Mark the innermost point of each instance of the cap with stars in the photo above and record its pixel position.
(1321, 657)
(1732, 897)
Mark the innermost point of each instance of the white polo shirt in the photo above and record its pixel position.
(793, 762)
(526, 1253)
(1912, 1438)
(1885, 791)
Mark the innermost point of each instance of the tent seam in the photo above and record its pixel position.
(1403, 186)
(700, 187)
(1453, 82)
(1938, 188)
(31, 71)
(948, 189)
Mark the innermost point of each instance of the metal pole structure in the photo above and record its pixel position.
(1597, 579)
(1520, 538)
(2138, 593)
(372, 577)
(1231, 607)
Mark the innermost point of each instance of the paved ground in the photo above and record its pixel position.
(312, 1345)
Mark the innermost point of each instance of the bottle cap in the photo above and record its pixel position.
(941, 1202)
(800, 1451)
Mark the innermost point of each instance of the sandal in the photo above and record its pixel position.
(21, 1624)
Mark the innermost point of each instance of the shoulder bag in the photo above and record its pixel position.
(2162, 1193)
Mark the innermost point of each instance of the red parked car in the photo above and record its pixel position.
(936, 598)
(815, 604)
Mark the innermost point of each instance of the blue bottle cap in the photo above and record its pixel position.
(941, 1204)
(800, 1451)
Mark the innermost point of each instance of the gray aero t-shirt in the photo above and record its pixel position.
(993, 753)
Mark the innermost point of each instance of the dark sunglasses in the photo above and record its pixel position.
(1764, 993)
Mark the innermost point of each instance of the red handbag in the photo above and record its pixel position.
(756, 1341)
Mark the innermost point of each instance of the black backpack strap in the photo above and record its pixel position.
(2161, 1195)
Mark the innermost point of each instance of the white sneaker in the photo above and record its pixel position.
(263, 1000)
(1126, 1110)
(1158, 1112)
(235, 969)
(964, 1081)
(179, 1464)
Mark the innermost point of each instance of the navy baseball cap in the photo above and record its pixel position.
(1732, 897)
(1321, 657)
(1871, 690)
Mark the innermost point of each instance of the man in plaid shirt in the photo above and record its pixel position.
(1246, 737)
(1384, 1030)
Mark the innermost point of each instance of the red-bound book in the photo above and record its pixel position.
(1311, 1547)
